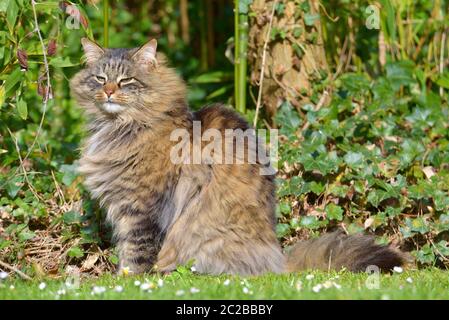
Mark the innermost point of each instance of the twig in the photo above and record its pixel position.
(443, 44)
(262, 68)
(25, 174)
(9, 267)
(47, 93)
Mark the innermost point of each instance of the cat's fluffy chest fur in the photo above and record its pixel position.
(129, 166)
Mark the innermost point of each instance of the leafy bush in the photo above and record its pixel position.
(376, 158)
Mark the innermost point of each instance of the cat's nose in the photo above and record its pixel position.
(109, 88)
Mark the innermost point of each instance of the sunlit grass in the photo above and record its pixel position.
(425, 284)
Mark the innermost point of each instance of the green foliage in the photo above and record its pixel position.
(373, 159)
(376, 158)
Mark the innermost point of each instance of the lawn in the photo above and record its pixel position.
(423, 284)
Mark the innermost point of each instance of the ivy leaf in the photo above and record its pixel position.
(400, 73)
(70, 173)
(113, 259)
(26, 234)
(442, 247)
(244, 6)
(14, 185)
(425, 255)
(354, 159)
(75, 252)
(310, 222)
(71, 217)
(287, 117)
(334, 212)
(419, 225)
(282, 229)
(310, 18)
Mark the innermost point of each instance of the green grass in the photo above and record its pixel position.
(424, 284)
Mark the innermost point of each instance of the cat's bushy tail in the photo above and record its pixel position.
(336, 250)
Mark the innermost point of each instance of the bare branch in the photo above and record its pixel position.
(20, 273)
(262, 68)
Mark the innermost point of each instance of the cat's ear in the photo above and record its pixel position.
(92, 51)
(146, 54)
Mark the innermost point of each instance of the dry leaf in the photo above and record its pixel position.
(90, 261)
(22, 56)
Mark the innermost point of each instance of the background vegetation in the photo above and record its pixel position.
(362, 111)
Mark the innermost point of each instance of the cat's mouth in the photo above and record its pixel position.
(111, 107)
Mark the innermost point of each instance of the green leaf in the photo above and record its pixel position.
(287, 117)
(310, 18)
(71, 217)
(354, 159)
(443, 80)
(425, 255)
(14, 185)
(75, 252)
(22, 109)
(310, 222)
(442, 247)
(70, 173)
(418, 225)
(400, 73)
(4, 5)
(61, 62)
(213, 77)
(11, 15)
(285, 208)
(244, 6)
(334, 212)
(26, 234)
(2, 95)
(282, 229)
(12, 79)
(113, 259)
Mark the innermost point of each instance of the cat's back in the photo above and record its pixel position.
(218, 116)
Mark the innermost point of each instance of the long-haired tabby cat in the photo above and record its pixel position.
(164, 214)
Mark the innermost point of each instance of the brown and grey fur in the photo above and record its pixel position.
(164, 214)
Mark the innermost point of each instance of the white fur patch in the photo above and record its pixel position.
(112, 107)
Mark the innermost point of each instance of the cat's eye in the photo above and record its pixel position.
(100, 79)
(125, 81)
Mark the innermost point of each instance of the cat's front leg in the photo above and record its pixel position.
(138, 241)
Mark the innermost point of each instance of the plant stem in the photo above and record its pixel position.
(236, 53)
(203, 35)
(106, 23)
(241, 46)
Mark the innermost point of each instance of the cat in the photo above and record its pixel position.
(165, 213)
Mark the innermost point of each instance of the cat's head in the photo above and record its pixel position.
(127, 84)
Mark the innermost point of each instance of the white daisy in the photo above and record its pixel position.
(194, 290)
(180, 292)
(398, 269)
(317, 288)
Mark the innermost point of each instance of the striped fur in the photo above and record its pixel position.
(165, 214)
